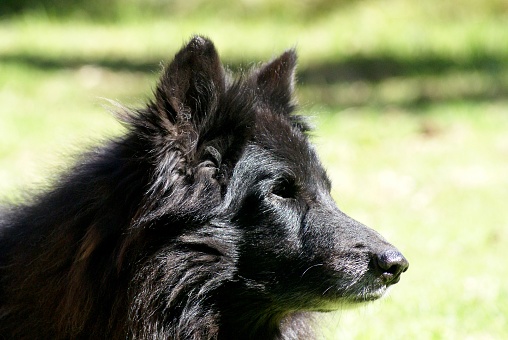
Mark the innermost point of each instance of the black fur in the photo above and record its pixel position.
(210, 218)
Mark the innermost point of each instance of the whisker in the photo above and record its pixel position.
(326, 290)
(306, 270)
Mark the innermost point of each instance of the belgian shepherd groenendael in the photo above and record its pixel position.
(210, 218)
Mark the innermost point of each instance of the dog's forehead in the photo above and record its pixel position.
(288, 144)
(276, 131)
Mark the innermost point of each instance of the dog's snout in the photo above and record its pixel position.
(392, 263)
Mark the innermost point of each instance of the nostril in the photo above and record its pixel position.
(392, 263)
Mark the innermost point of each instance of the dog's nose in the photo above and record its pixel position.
(392, 263)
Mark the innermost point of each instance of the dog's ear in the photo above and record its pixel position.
(189, 86)
(195, 130)
(210, 123)
(275, 82)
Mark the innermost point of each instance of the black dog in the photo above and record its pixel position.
(210, 218)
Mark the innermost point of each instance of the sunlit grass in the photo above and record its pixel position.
(420, 152)
(439, 195)
(402, 28)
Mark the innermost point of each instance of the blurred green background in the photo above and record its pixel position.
(410, 103)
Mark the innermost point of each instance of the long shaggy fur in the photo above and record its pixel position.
(210, 218)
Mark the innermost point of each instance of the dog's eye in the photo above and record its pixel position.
(285, 189)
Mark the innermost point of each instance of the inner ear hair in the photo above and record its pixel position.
(215, 155)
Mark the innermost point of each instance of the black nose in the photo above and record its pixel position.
(391, 263)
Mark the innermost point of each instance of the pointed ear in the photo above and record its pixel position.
(190, 85)
(275, 82)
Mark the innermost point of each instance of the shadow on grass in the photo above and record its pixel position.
(324, 77)
(379, 68)
(53, 63)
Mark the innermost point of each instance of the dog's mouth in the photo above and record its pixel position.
(343, 297)
(370, 294)
(351, 301)
(365, 281)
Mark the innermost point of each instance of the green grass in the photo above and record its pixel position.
(435, 184)
(411, 107)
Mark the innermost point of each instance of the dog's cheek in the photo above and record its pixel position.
(291, 216)
(270, 240)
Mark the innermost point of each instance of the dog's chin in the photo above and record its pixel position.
(369, 295)
(354, 300)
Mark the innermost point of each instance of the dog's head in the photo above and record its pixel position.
(231, 155)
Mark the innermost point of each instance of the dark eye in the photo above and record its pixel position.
(285, 189)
